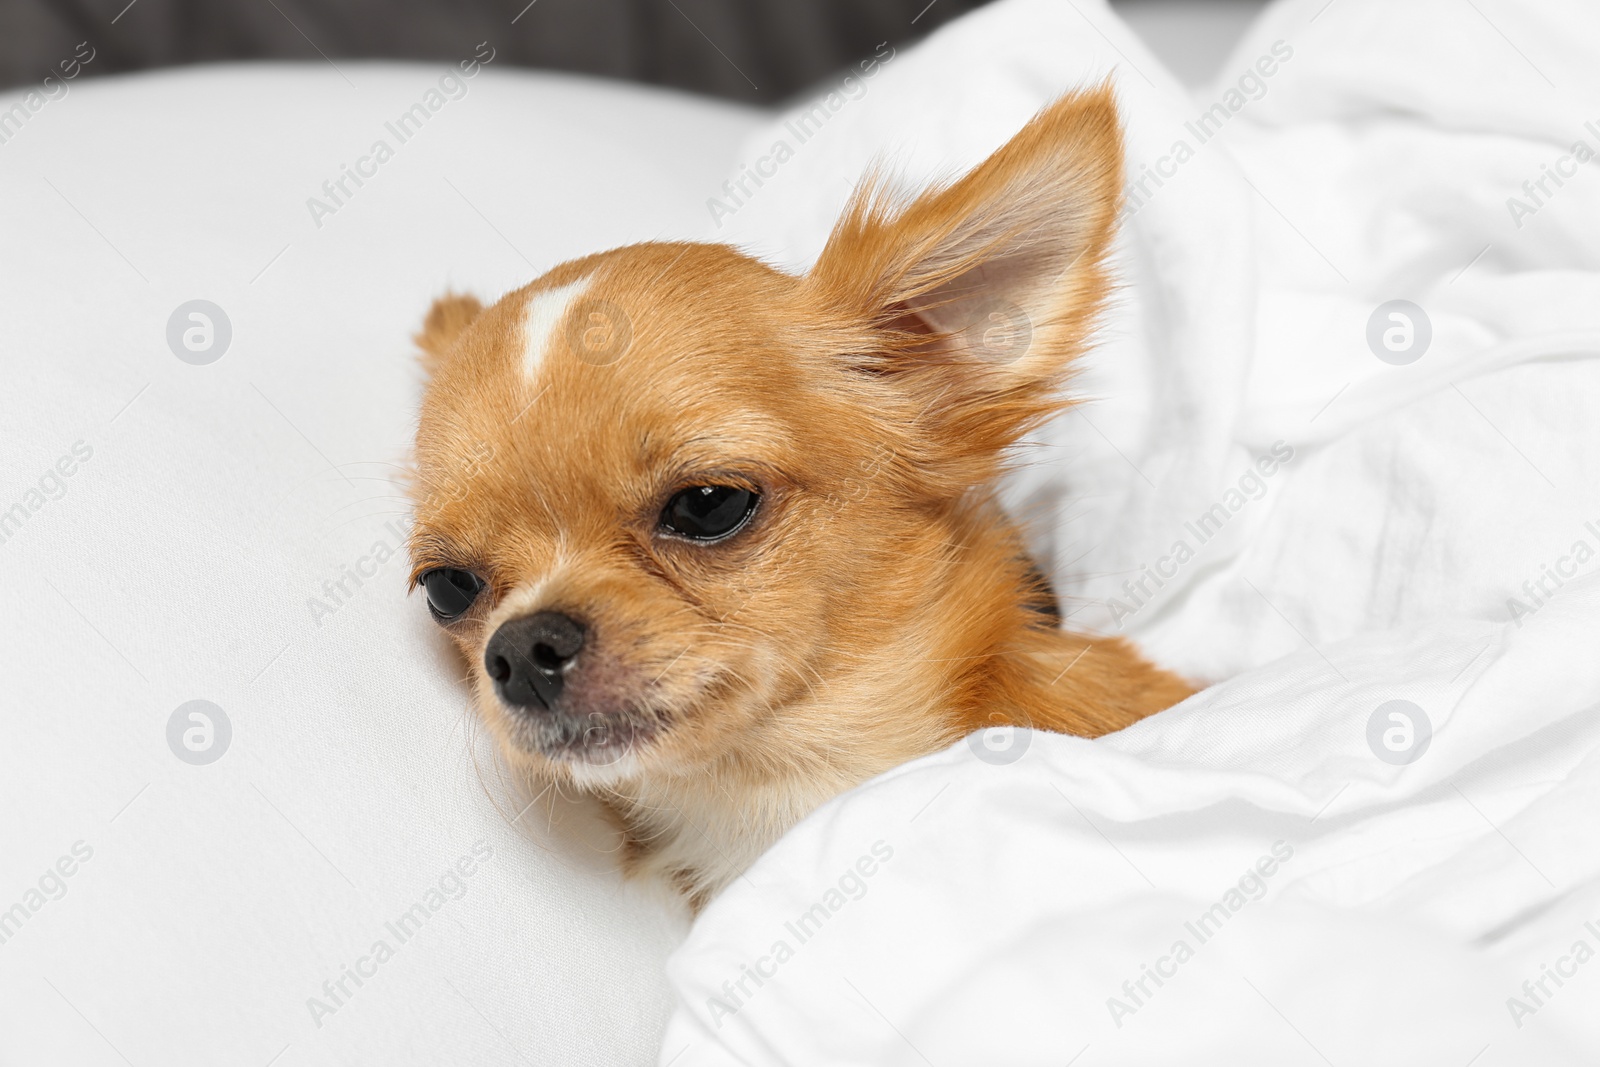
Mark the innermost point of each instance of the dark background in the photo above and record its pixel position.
(757, 51)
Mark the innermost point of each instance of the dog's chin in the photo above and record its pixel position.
(593, 749)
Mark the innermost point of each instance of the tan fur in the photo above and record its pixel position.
(449, 315)
(876, 608)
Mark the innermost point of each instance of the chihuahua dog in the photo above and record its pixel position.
(720, 542)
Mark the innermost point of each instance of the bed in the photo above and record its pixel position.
(1351, 371)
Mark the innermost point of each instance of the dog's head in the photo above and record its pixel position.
(667, 494)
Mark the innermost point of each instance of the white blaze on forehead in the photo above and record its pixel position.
(540, 321)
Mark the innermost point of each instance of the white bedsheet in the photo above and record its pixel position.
(1433, 537)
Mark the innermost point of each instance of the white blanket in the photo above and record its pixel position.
(1374, 840)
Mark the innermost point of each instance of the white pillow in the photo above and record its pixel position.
(198, 515)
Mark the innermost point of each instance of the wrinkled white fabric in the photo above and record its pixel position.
(1420, 528)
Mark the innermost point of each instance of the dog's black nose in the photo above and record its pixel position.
(529, 657)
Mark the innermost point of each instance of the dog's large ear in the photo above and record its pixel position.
(450, 314)
(981, 293)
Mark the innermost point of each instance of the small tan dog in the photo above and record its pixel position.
(722, 543)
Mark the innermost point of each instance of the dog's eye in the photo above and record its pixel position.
(450, 592)
(708, 512)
